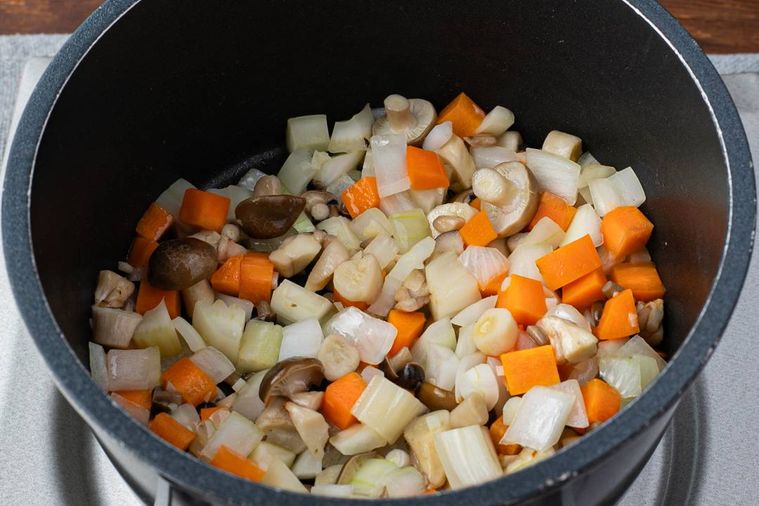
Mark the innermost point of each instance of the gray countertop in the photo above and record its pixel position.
(708, 455)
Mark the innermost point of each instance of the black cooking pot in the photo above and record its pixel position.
(146, 92)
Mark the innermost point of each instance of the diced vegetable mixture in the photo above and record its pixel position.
(413, 303)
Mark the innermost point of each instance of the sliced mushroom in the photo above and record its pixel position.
(490, 186)
(270, 216)
(321, 273)
(275, 416)
(315, 197)
(413, 293)
(510, 218)
(459, 161)
(289, 377)
(359, 279)
(650, 317)
(338, 356)
(450, 210)
(177, 264)
(295, 254)
(311, 426)
(413, 117)
(112, 290)
(436, 398)
(570, 343)
(449, 241)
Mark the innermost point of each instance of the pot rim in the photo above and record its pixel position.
(73, 379)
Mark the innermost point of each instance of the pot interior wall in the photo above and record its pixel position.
(189, 89)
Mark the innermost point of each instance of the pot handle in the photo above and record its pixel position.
(163, 493)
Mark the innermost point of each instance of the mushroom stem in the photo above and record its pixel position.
(398, 111)
(491, 186)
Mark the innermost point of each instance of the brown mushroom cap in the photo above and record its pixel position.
(289, 377)
(513, 216)
(413, 117)
(436, 398)
(269, 216)
(177, 264)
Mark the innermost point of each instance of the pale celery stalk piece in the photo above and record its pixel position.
(307, 466)
(280, 476)
(259, 347)
(265, 452)
(339, 226)
(220, 325)
(235, 432)
(468, 456)
(293, 303)
(409, 227)
(297, 171)
(358, 438)
(370, 224)
(382, 397)
(157, 329)
(370, 479)
(307, 132)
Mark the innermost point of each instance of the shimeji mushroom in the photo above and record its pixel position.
(413, 117)
(521, 189)
(291, 376)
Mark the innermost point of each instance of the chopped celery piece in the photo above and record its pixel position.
(221, 326)
(451, 286)
(351, 135)
(259, 348)
(358, 438)
(307, 132)
(339, 226)
(338, 166)
(157, 329)
(303, 224)
(409, 227)
(280, 476)
(235, 432)
(371, 477)
(293, 303)
(468, 456)
(265, 452)
(297, 171)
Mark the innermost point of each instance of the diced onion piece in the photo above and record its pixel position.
(358, 438)
(412, 260)
(235, 194)
(259, 347)
(367, 168)
(265, 452)
(545, 231)
(98, 367)
(214, 363)
(466, 363)
(526, 458)
(628, 187)
(578, 417)
(404, 482)
(246, 305)
(307, 132)
(648, 369)
(440, 367)
(585, 370)
(381, 398)
(371, 477)
(368, 372)
(451, 286)
(371, 336)
(311, 427)
(636, 345)
(585, 222)
(332, 490)
(247, 402)
(339, 226)
(189, 334)
(383, 248)
(370, 224)
(408, 228)
(220, 325)
(301, 339)
(522, 260)
(398, 457)
(114, 327)
(236, 432)
(510, 409)
(187, 415)
(587, 158)
(468, 456)
(623, 373)
(496, 122)
(134, 369)
(397, 203)
(438, 136)
(157, 329)
(555, 174)
(540, 420)
(337, 166)
(479, 379)
(465, 343)
(293, 303)
(137, 412)
(510, 140)
(439, 333)
(389, 158)
(297, 171)
(484, 263)
(351, 135)
(171, 198)
(280, 476)
(426, 200)
(610, 348)
(487, 157)
(516, 240)
(307, 466)
(472, 313)
(563, 144)
(605, 196)
(594, 171)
